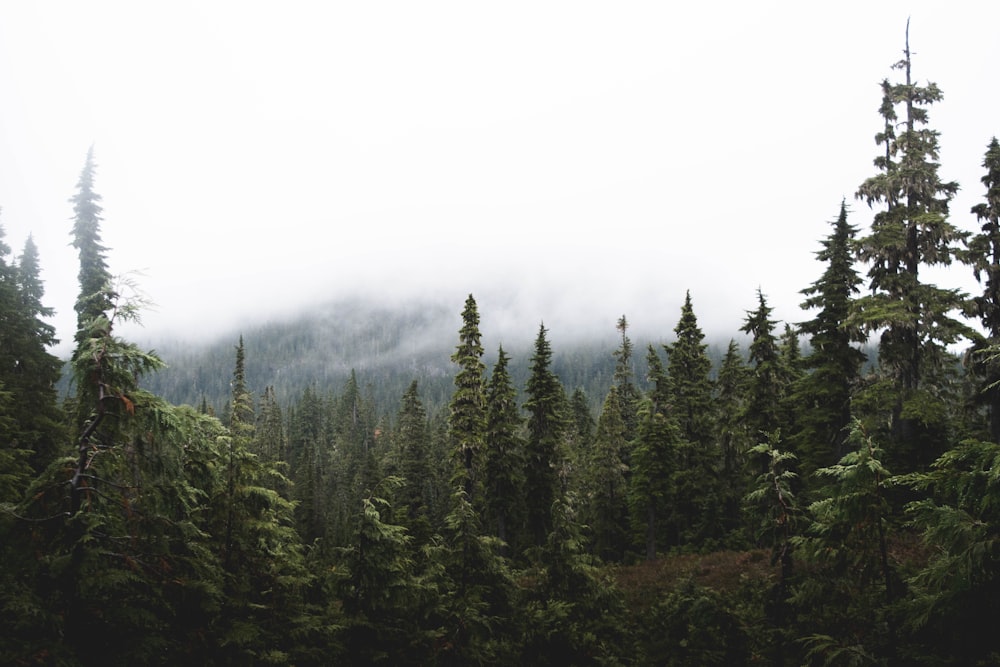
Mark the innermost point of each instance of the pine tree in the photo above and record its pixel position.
(383, 599)
(823, 396)
(624, 382)
(689, 371)
(768, 381)
(503, 459)
(910, 233)
(467, 421)
(984, 256)
(94, 299)
(695, 479)
(38, 370)
(955, 598)
(14, 451)
(415, 496)
(605, 507)
(853, 586)
(772, 503)
(731, 396)
(654, 458)
(546, 406)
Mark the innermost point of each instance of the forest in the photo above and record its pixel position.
(825, 492)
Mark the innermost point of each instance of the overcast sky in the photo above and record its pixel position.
(597, 158)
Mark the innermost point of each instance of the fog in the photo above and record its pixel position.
(566, 162)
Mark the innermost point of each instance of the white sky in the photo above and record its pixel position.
(599, 158)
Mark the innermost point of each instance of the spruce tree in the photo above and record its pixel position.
(984, 256)
(38, 371)
(768, 379)
(731, 396)
(415, 496)
(654, 458)
(546, 407)
(503, 458)
(467, 420)
(95, 297)
(605, 505)
(823, 396)
(689, 372)
(695, 478)
(624, 382)
(911, 232)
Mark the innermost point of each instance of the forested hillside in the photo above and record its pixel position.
(384, 486)
(386, 347)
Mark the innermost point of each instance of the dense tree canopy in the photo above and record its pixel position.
(818, 494)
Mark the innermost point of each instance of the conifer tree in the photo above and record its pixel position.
(771, 502)
(911, 232)
(546, 407)
(731, 395)
(624, 382)
(467, 421)
(955, 598)
(605, 506)
(689, 372)
(654, 458)
(851, 592)
(382, 597)
(412, 443)
(94, 299)
(766, 387)
(503, 459)
(823, 396)
(695, 479)
(984, 256)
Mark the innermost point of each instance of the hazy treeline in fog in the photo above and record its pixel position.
(820, 492)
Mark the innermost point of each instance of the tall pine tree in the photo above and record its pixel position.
(546, 407)
(909, 233)
(984, 255)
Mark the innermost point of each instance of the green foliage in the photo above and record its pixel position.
(503, 461)
(546, 407)
(693, 626)
(910, 233)
(605, 504)
(852, 586)
(467, 418)
(954, 608)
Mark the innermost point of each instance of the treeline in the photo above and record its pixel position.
(837, 509)
(384, 347)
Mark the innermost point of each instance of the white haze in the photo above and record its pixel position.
(566, 162)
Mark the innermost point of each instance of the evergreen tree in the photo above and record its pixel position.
(849, 596)
(546, 406)
(503, 460)
(984, 256)
(768, 377)
(689, 371)
(606, 501)
(260, 553)
(955, 599)
(476, 605)
(624, 382)
(772, 503)
(467, 421)
(383, 599)
(695, 480)
(94, 299)
(412, 443)
(731, 396)
(823, 396)
(654, 459)
(910, 233)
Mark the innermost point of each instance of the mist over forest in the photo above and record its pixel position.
(509, 475)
